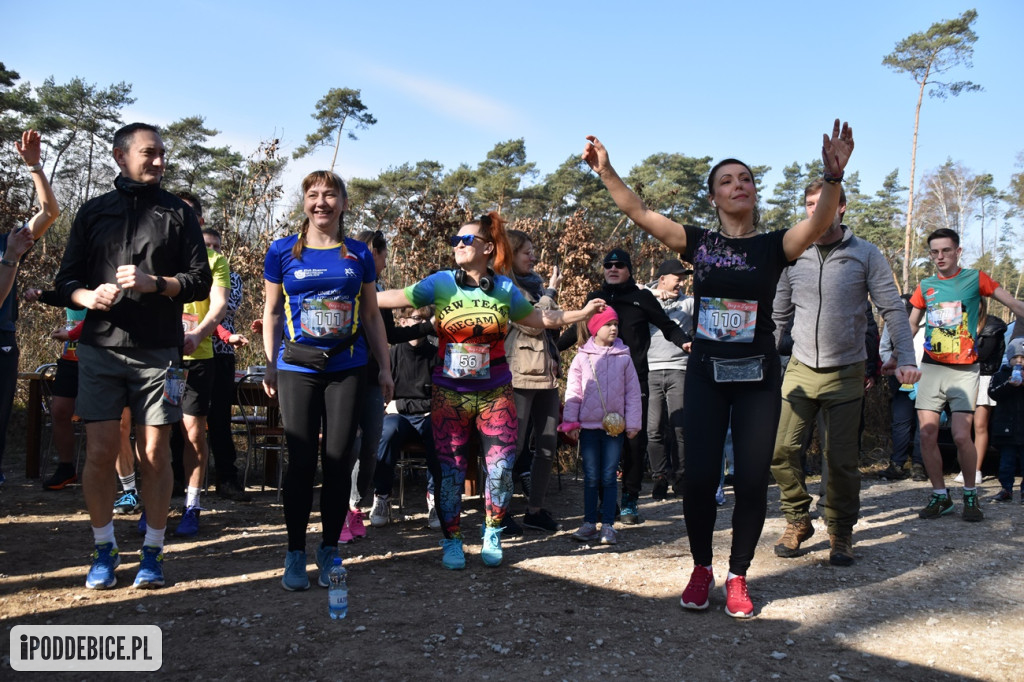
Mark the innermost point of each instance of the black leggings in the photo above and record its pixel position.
(307, 401)
(755, 411)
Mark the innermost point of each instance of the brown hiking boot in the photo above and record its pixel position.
(788, 545)
(841, 552)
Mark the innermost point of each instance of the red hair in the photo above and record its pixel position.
(492, 228)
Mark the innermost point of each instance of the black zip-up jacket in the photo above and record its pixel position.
(1007, 427)
(413, 369)
(637, 309)
(142, 225)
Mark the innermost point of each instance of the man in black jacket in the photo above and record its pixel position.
(135, 255)
(637, 309)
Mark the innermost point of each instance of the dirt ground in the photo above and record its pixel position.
(925, 600)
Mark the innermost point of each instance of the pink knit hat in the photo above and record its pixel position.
(601, 319)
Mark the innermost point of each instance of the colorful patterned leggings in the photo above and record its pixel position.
(453, 416)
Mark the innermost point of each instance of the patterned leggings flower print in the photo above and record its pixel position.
(453, 416)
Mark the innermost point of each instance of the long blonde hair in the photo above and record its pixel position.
(330, 179)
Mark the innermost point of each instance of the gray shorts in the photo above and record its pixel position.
(956, 385)
(111, 378)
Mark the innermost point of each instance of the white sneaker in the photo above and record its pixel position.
(960, 478)
(433, 521)
(588, 532)
(380, 515)
(608, 535)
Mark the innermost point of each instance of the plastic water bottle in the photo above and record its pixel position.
(1017, 375)
(337, 592)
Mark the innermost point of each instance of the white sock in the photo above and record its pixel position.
(128, 482)
(104, 534)
(969, 491)
(730, 576)
(154, 537)
(191, 497)
(941, 491)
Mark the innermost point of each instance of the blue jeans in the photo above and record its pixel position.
(399, 430)
(905, 437)
(600, 453)
(1009, 455)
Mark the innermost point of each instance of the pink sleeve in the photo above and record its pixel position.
(223, 334)
(573, 391)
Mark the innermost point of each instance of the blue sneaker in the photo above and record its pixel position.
(128, 503)
(491, 551)
(142, 523)
(295, 577)
(105, 558)
(151, 568)
(454, 558)
(189, 524)
(720, 496)
(325, 562)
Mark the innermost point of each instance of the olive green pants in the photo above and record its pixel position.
(838, 393)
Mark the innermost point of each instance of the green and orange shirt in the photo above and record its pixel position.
(951, 307)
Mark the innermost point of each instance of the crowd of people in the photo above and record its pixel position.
(468, 369)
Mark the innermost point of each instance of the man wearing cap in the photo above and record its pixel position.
(637, 309)
(667, 364)
(825, 292)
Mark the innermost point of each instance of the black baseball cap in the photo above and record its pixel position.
(673, 266)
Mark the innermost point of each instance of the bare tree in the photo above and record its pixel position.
(926, 57)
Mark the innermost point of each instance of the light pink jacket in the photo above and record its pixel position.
(619, 385)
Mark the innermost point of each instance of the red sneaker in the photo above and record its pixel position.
(695, 596)
(737, 601)
(356, 524)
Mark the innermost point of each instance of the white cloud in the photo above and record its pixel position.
(478, 110)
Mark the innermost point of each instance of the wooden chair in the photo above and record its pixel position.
(264, 433)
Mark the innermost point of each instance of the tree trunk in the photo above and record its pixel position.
(908, 242)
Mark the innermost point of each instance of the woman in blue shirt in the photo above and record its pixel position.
(320, 320)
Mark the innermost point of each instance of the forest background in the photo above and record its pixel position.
(250, 192)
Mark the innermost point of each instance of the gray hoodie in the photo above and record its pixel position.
(827, 297)
(663, 354)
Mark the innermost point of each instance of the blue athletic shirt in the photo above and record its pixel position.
(321, 297)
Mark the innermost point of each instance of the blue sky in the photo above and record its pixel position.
(448, 80)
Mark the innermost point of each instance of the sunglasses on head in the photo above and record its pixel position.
(615, 265)
(466, 239)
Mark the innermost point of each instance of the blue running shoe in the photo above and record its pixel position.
(295, 578)
(151, 568)
(142, 523)
(454, 558)
(720, 496)
(189, 524)
(105, 558)
(491, 551)
(325, 562)
(128, 503)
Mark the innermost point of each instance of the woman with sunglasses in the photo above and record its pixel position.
(733, 372)
(371, 407)
(317, 346)
(472, 391)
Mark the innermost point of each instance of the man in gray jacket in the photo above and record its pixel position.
(825, 291)
(667, 363)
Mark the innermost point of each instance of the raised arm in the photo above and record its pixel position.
(1007, 299)
(835, 153)
(29, 148)
(555, 319)
(392, 298)
(668, 232)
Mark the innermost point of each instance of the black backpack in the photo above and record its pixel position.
(991, 345)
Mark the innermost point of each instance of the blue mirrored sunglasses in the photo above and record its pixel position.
(466, 239)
